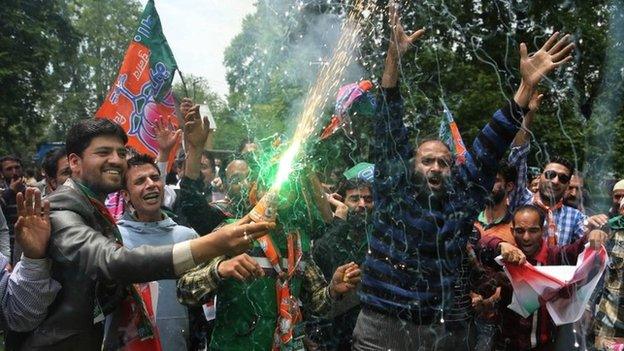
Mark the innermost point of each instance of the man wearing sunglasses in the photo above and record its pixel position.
(565, 223)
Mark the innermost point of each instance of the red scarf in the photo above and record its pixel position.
(552, 225)
(288, 312)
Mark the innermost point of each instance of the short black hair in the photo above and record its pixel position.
(142, 159)
(350, 184)
(10, 158)
(50, 161)
(80, 134)
(530, 208)
(509, 173)
(139, 160)
(562, 161)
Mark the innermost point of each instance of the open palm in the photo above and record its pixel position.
(551, 55)
(32, 229)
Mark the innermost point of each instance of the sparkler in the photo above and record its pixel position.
(327, 82)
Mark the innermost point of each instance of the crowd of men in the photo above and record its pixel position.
(402, 259)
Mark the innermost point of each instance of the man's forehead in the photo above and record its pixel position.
(558, 167)
(106, 141)
(527, 217)
(360, 191)
(576, 181)
(435, 148)
(139, 171)
(618, 192)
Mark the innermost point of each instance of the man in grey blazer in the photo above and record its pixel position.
(89, 260)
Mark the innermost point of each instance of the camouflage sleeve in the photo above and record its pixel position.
(198, 285)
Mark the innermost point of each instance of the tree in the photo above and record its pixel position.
(37, 42)
(229, 130)
(106, 29)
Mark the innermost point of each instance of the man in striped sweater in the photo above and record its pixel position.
(422, 219)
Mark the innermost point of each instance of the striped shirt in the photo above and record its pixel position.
(569, 220)
(26, 293)
(416, 250)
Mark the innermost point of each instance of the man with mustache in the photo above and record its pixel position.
(421, 227)
(565, 223)
(146, 224)
(13, 175)
(344, 241)
(538, 331)
(95, 270)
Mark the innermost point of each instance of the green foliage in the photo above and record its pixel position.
(105, 29)
(36, 42)
(230, 130)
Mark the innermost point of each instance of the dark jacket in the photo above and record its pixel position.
(416, 249)
(87, 260)
(517, 332)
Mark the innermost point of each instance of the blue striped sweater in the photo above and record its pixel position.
(416, 250)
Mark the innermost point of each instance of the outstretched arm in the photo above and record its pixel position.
(391, 147)
(519, 153)
(496, 137)
(28, 291)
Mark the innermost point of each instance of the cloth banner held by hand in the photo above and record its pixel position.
(565, 290)
(347, 95)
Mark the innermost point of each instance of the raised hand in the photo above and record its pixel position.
(346, 278)
(341, 209)
(400, 42)
(196, 129)
(166, 136)
(32, 229)
(185, 105)
(551, 55)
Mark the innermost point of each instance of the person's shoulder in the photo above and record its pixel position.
(574, 212)
(184, 233)
(68, 198)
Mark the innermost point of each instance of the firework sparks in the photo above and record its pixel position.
(327, 82)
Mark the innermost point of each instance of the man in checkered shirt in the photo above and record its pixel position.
(554, 180)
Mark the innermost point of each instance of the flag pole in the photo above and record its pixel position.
(186, 93)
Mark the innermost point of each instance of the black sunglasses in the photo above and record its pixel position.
(550, 175)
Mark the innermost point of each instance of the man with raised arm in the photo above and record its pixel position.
(95, 270)
(422, 219)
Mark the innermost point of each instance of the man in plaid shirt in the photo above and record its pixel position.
(569, 222)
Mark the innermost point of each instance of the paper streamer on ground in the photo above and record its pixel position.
(565, 290)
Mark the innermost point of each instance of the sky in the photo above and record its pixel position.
(198, 31)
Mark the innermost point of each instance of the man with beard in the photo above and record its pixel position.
(617, 195)
(565, 223)
(13, 175)
(56, 169)
(421, 228)
(344, 241)
(95, 270)
(575, 196)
